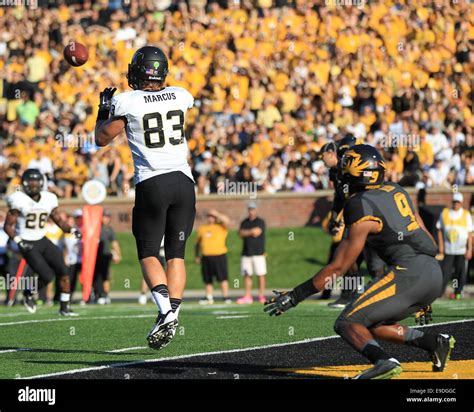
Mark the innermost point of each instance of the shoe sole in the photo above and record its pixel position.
(452, 342)
(162, 337)
(392, 373)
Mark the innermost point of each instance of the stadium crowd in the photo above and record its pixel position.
(273, 82)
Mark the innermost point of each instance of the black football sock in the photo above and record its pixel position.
(424, 340)
(175, 305)
(374, 352)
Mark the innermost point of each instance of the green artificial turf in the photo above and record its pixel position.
(293, 255)
(58, 344)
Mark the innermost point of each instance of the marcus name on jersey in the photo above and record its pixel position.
(152, 98)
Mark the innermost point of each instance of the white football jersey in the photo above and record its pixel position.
(155, 129)
(31, 224)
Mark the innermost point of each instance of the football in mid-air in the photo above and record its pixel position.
(76, 54)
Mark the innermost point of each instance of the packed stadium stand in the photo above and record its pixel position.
(273, 82)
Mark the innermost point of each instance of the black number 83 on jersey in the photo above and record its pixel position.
(153, 128)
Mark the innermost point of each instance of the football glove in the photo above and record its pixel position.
(281, 302)
(25, 246)
(106, 98)
(424, 316)
(76, 232)
(334, 224)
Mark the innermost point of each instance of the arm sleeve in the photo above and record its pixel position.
(356, 210)
(439, 224)
(338, 202)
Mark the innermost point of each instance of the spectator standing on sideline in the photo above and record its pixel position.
(455, 243)
(253, 261)
(142, 299)
(211, 252)
(108, 252)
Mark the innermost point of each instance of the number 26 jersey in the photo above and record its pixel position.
(155, 129)
(31, 223)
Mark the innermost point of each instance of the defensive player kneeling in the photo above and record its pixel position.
(382, 216)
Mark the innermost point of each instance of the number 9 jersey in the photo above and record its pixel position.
(400, 237)
(155, 129)
(31, 223)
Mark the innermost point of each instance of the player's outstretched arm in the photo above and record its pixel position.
(63, 225)
(107, 129)
(346, 255)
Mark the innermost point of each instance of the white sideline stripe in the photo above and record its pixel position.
(14, 350)
(232, 316)
(276, 345)
(127, 349)
(68, 319)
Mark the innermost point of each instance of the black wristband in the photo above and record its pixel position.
(103, 114)
(305, 290)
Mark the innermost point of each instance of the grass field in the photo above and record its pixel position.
(109, 341)
(44, 343)
(292, 256)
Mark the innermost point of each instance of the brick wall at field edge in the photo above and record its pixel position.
(281, 210)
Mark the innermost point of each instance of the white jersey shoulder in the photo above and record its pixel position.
(31, 222)
(155, 129)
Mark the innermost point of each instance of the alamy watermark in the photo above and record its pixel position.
(395, 140)
(32, 4)
(346, 282)
(23, 283)
(338, 3)
(75, 140)
(227, 187)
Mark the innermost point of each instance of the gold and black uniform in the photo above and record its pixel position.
(413, 278)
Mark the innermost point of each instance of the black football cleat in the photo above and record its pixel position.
(440, 356)
(29, 303)
(163, 331)
(383, 369)
(65, 310)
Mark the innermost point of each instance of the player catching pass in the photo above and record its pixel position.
(28, 212)
(380, 215)
(153, 118)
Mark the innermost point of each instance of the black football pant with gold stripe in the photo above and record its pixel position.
(401, 291)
